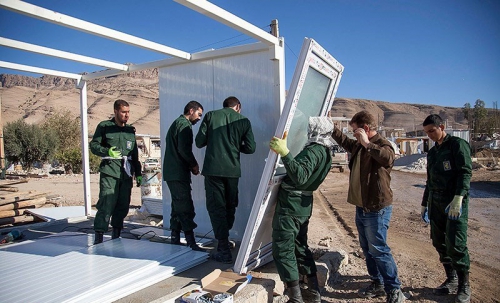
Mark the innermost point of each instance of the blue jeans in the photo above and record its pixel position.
(372, 230)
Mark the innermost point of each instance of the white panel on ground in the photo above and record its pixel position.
(249, 77)
(312, 91)
(89, 273)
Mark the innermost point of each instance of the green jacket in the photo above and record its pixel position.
(226, 134)
(179, 159)
(449, 169)
(107, 135)
(304, 174)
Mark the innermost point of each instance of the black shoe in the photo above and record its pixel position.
(98, 237)
(395, 296)
(375, 289)
(449, 286)
(463, 292)
(313, 291)
(191, 241)
(293, 292)
(116, 233)
(223, 252)
(175, 237)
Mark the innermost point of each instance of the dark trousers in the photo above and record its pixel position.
(449, 237)
(114, 201)
(222, 200)
(182, 215)
(290, 250)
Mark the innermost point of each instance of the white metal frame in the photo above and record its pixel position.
(273, 44)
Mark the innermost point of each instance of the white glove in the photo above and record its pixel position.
(454, 209)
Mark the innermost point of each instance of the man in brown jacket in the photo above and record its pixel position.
(372, 158)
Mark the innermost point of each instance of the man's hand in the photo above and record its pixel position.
(195, 170)
(361, 135)
(424, 213)
(454, 209)
(279, 145)
(112, 152)
(138, 180)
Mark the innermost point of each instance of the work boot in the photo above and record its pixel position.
(293, 292)
(449, 286)
(175, 237)
(191, 241)
(313, 288)
(99, 237)
(395, 296)
(463, 292)
(116, 233)
(375, 289)
(223, 252)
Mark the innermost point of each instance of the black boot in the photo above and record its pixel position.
(175, 237)
(293, 292)
(223, 252)
(313, 288)
(99, 237)
(450, 285)
(191, 241)
(463, 292)
(116, 233)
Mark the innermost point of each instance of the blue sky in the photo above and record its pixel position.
(439, 52)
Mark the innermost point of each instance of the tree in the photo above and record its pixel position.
(480, 117)
(467, 111)
(67, 129)
(28, 143)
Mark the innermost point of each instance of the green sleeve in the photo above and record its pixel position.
(201, 137)
(300, 168)
(185, 146)
(248, 143)
(96, 143)
(463, 162)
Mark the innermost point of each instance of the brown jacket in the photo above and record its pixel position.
(376, 165)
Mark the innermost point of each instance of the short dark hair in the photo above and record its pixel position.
(192, 105)
(433, 119)
(363, 118)
(231, 101)
(119, 103)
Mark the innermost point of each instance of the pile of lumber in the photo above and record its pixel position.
(14, 203)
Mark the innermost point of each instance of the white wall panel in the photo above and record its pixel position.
(249, 77)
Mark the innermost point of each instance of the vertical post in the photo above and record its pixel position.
(82, 85)
(2, 152)
(274, 28)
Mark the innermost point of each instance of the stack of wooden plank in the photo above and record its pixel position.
(14, 203)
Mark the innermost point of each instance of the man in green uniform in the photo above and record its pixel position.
(305, 173)
(226, 133)
(178, 164)
(446, 202)
(114, 141)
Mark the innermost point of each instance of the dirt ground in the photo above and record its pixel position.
(333, 223)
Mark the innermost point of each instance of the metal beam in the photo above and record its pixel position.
(38, 70)
(84, 26)
(60, 54)
(208, 9)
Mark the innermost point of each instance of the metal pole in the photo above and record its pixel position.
(82, 85)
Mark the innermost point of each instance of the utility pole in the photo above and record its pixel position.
(274, 28)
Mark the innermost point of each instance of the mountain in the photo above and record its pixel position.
(33, 99)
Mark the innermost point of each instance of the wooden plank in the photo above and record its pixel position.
(5, 183)
(24, 197)
(12, 213)
(10, 195)
(13, 189)
(17, 219)
(23, 204)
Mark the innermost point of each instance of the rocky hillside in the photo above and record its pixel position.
(35, 98)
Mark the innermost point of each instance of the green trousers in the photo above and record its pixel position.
(290, 250)
(114, 201)
(449, 237)
(222, 200)
(182, 215)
